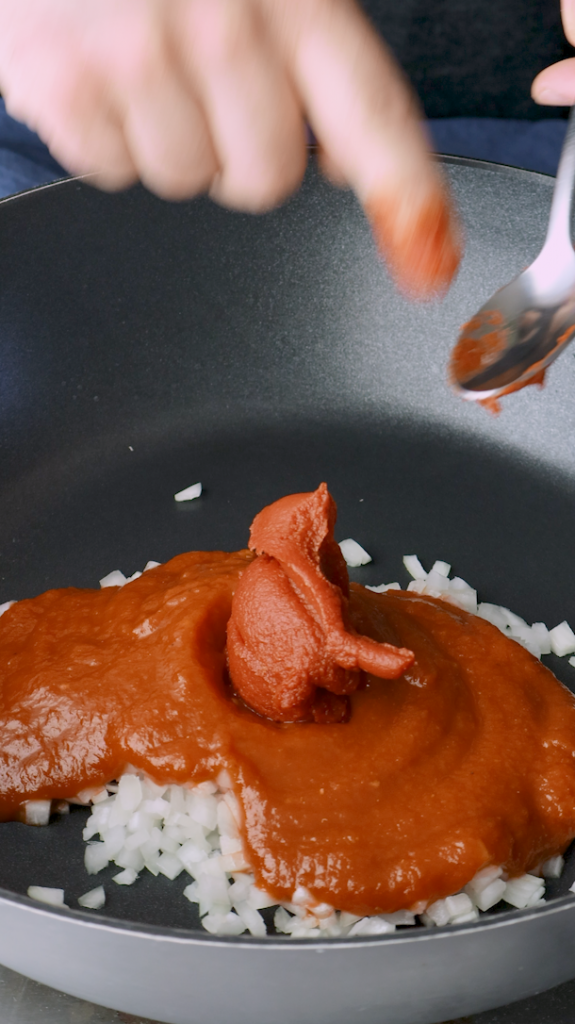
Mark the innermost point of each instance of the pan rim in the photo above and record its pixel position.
(183, 936)
(442, 158)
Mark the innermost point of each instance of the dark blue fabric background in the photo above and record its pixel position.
(534, 145)
(25, 161)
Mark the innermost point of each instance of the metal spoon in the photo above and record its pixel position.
(527, 324)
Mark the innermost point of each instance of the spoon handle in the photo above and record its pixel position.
(559, 229)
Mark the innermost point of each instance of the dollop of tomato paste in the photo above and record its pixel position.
(293, 654)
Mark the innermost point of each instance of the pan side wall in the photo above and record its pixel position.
(392, 982)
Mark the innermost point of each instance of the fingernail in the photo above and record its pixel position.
(552, 98)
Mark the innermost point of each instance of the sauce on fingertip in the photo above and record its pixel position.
(421, 244)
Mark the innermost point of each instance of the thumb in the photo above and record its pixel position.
(555, 86)
(568, 16)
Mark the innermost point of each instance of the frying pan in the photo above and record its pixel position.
(145, 346)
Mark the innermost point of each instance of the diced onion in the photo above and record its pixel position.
(37, 812)
(353, 553)
(562, 639)
(93, 900)
(189, 493)
(44, 894)
(414, 567)
(113, 579)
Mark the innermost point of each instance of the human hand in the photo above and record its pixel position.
(555, 86)
(213, 95)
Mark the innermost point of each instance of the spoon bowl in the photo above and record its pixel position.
(514, 336)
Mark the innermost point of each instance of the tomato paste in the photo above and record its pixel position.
(466, 759)
(292, 652)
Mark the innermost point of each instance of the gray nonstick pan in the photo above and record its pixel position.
(145, 346)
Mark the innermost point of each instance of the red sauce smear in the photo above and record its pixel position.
(420, 241)
(493, 403)
(468, 759)
(480, 343)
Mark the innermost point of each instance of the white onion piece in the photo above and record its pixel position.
(127, 877)
(553, 868)
(562, 639)
(189, 493)
(37, 812)
(541, 635)
(353, 553)
(95, 858)
(443, 568)
(93, 900)
(130, 792)
(113, 579)
(44, 894)
(371, 926)
(414, 567)
(524, 891)
(253, 921)
(223, 924)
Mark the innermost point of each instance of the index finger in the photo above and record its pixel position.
(367, 121)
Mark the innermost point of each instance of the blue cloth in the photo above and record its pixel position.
(25, 161)
(534, 145)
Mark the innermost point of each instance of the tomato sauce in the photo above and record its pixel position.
(481, 342)
(465, 760)
(420, 241)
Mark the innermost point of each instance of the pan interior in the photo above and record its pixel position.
(145, 347)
